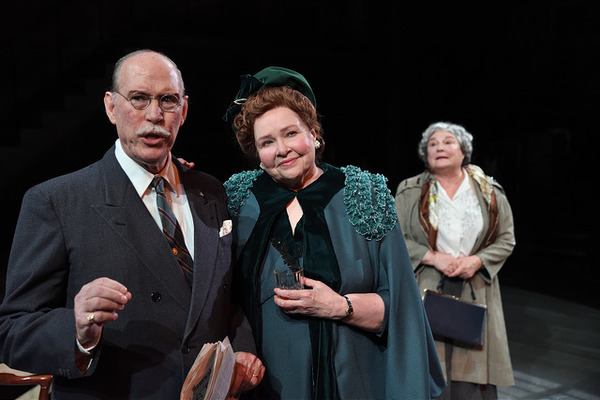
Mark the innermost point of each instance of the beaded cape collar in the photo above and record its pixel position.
(369, 203)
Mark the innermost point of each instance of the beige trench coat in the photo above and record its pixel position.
(490, 364)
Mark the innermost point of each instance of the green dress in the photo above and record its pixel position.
(348, 238)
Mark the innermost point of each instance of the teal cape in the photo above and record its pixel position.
(370, 255)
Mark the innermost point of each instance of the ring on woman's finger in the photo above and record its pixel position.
(254, 375)
(91, 317)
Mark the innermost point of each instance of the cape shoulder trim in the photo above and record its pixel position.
(369, 203)
(238, 187)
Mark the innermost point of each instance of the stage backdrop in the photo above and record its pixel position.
(523, 79)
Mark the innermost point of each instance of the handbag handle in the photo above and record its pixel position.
(441, 283)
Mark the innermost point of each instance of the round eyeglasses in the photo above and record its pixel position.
(141, 101)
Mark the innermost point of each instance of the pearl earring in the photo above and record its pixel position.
(261, 165)
(317, 144)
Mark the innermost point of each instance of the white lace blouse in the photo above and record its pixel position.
(460, 220)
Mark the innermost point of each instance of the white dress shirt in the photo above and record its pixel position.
(141, 179)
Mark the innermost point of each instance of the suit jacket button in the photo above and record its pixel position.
(186, 350)
(156, 297)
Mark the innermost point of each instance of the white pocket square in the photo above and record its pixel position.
(226, 228)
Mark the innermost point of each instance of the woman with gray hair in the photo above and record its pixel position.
(458, 228)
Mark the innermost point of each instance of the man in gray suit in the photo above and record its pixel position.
(95, 295)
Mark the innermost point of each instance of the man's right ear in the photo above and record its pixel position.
(109, 106)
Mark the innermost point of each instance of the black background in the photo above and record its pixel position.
(523, 79)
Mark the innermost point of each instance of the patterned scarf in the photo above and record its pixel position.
(428, 205)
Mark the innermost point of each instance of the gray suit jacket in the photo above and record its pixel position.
(92, 223)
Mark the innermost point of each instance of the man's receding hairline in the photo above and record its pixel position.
(123, 60)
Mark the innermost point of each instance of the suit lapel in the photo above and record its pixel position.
(206, 242)
(126, 213)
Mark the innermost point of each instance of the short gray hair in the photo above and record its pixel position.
(465, 139)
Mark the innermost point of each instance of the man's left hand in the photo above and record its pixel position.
(247, 373)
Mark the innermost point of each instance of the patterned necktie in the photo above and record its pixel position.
(172, 229)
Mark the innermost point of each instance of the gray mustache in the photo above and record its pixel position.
(154, 129)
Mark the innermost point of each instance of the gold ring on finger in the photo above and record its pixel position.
(91, 317)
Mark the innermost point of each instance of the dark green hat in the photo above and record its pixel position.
(268, 77)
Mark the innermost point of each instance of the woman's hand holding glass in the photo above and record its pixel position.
(320, 301)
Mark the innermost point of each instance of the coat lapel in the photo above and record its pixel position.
(126, 213)
(206, 242)
(485, 212)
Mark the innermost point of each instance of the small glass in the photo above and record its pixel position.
(288, 278)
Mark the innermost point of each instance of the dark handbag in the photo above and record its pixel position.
(454, 319)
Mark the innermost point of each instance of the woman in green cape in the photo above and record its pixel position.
(358, 328)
